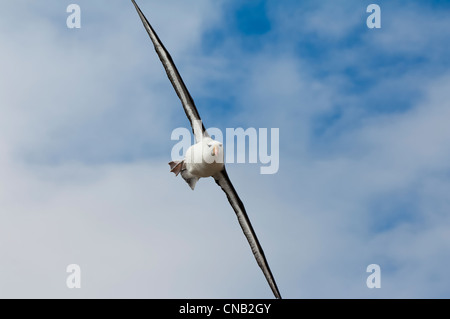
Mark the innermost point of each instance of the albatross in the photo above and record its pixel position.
(205, 158)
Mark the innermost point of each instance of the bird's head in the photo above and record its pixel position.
(212, 151)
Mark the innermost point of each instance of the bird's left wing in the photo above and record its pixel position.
(174, 76)
(224, 182)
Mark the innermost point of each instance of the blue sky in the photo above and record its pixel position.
(85, 131)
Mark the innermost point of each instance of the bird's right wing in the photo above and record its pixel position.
(224, 182)
(174, 76)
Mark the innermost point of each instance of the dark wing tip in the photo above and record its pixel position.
(224, 182)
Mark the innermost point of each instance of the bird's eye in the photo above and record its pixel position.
(209, 145)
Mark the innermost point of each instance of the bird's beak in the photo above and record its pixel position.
(215, 150)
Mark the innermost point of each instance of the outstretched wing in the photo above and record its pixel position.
(224, 182)
(188, 103)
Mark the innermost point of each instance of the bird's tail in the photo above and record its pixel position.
(178, 167)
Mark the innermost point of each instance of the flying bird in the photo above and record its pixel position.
(205, 158)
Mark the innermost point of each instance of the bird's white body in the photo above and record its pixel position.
(205, 158)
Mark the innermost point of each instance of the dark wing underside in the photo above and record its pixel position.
(224, 182)
(199, 131)
(188, 103)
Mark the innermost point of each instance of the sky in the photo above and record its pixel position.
(364, 149)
